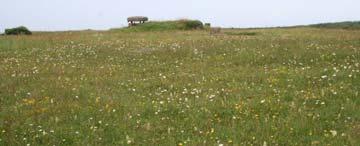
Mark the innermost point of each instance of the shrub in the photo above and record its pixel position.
(193, 24)
(18, 31)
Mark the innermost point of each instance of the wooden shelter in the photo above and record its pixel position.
(132, 21)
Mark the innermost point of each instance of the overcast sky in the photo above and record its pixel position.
(105, 14)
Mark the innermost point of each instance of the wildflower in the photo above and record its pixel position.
(97, 100)
(128, 139)
(265, 143)
(29, 101)
(333, 132)
(315, 142)
(262, 101)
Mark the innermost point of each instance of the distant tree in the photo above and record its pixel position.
(22, 30)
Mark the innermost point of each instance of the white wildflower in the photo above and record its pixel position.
(333, 132)
(262, 101)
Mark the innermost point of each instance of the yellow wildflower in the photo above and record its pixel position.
(29, 101)
(97, 100)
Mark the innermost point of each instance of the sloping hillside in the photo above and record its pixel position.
(168, 25)
(340, 25)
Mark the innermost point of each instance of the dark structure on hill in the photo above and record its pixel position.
(132, 21)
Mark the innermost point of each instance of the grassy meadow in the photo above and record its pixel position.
(294, 86)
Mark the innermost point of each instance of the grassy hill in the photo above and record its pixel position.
(339, 25)
(296, 86)
(167, 25)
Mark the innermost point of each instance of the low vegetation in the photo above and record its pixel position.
(241, 33)
(22, 30)
(297, 86)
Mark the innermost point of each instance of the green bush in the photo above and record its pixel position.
(193, 24)
(18, 31)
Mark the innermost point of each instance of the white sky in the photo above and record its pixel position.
(105, 14)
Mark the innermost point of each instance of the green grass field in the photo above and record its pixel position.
(297, 86)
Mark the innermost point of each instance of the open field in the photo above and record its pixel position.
(296, 86)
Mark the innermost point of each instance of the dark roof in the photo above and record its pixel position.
(138, 18)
